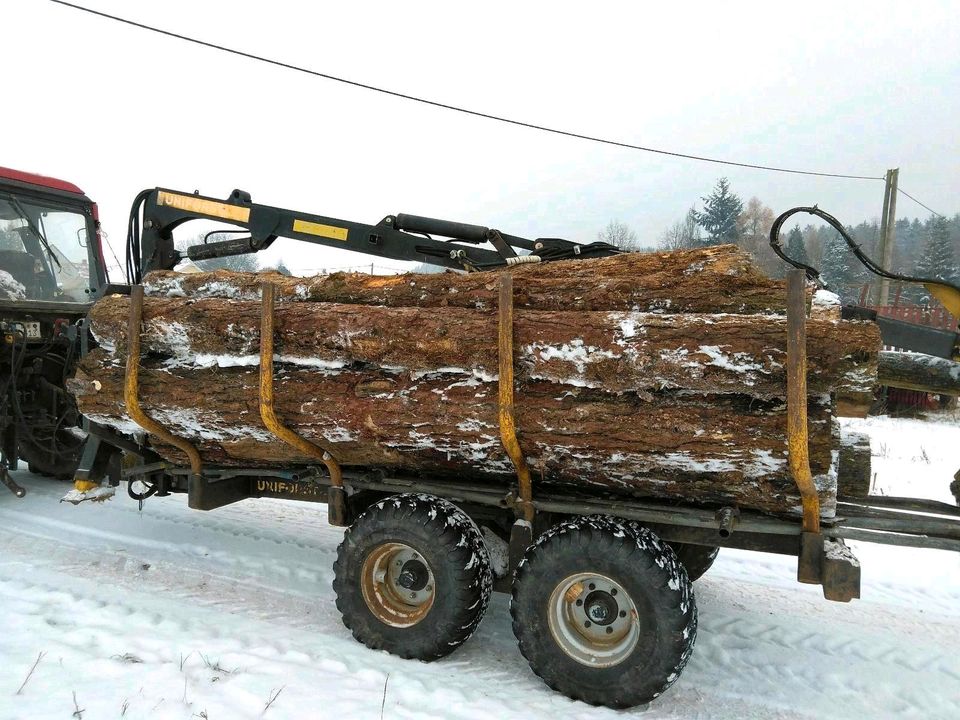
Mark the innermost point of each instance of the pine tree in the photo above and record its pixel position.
(840, 270)
(937, 261)
(796, 250)
(720, 212)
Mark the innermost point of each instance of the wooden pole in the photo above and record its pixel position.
(878, 290)
(888, 229)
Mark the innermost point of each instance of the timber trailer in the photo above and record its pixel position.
(602, 598)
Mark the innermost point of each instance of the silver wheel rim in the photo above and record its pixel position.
(397, 584)
(593, 620)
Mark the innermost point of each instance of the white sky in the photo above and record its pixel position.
(852, 87)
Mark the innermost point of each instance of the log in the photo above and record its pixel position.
(702, 449)
(612, 351)
(915, 371)
(708, 280)
(657, 375)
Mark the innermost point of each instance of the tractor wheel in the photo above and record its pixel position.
(58, 460)
(697, 559)
(604, 611)
(412, 577)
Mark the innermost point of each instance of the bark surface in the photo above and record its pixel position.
(915, 371)
(649, 375)
(708, 280)
(612, 351)
(706, 449)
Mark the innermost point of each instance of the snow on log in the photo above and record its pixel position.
(915, 371)
(703, 449)
(654, 375)
(612, 351)
(710, 280)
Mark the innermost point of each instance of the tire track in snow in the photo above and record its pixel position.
(745, 664)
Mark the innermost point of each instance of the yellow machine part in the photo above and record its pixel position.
(949, 296)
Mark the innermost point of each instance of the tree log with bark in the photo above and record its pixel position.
(721, 449)
(709, 280)
(914, 371)
(612, 351)
(613, 394)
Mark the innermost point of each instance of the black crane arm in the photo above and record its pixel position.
(396, 237)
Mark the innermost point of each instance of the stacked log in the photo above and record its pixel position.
(654, 375)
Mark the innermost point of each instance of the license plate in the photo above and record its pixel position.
(32, 330)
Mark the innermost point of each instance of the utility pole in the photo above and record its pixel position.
(888, 229)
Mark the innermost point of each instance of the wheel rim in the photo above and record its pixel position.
(397, 584)
(593, 620)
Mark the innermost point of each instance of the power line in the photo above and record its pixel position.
(455, 108)
(477, 113)
(920, 203)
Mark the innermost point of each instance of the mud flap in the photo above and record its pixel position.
(521, 537)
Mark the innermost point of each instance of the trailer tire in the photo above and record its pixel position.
(634, 589)
(412, 577)
(697, 559)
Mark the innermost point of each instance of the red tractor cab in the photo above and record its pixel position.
(50, 245)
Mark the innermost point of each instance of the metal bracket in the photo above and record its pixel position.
(508, 425)
(131, 392)
(797, 441)
(336, 501)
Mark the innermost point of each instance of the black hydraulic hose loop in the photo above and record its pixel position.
(133, 238)
(812, 273)
(855, 248)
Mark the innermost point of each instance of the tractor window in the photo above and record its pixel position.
(43, 251)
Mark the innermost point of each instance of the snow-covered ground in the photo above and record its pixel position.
(172, 613)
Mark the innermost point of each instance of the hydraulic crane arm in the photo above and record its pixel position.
(396, 237)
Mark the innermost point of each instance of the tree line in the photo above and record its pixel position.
(925, 248)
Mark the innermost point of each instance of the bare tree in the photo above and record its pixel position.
(754, 225)
(619, 235)
(682, 234)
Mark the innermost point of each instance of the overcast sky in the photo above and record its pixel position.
(836, 87)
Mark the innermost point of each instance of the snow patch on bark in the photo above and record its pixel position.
(737, 362)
